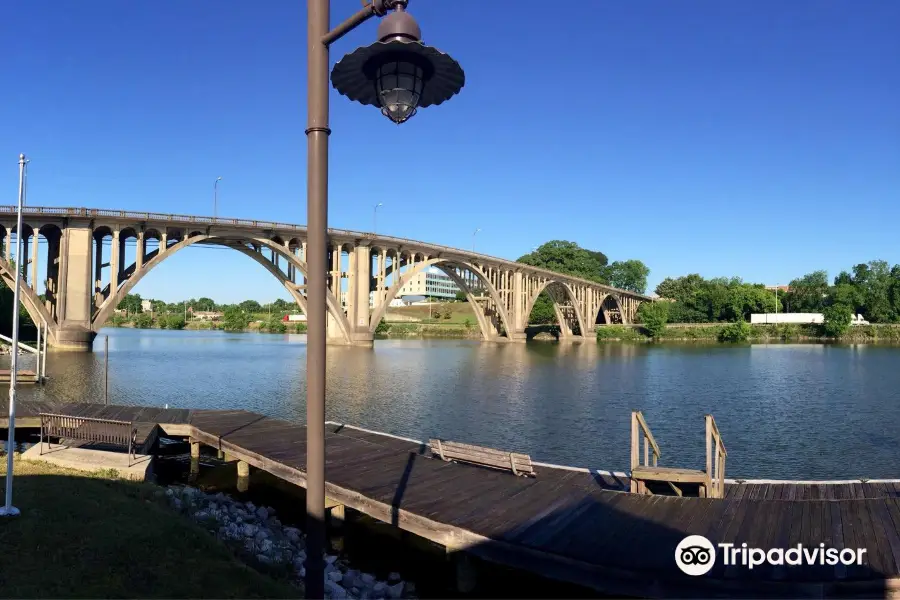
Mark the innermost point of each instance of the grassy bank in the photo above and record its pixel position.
(94, 536)
(428, 330)
(758, 333)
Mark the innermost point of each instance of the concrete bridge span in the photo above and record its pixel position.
(79, 289)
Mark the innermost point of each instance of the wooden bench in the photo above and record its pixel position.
(711, 482)
(85, 429)
(519, 464)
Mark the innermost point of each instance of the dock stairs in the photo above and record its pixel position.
(648, 477)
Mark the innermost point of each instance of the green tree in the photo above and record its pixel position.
(447, 312)
(131, 303)
(461, 296)
(570, 258)
(738, 331)
(250, 306)
(837, 319)
(281, 305)
(382, 327)
(628, 275)
(700, 300)
(681, 289)
(117, 320)
(143, 321)
(808, 293)
(274, 325)
(235, 318)
(542, 313)
(175, 321)
(204, 304)
(873, 279)
(654, 315)
(158, 306)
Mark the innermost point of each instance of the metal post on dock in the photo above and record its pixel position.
(44, 354)
(106, 369)
(8, 509)
(37, 365)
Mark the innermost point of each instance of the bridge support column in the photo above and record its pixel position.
(519, 305)
(114, 264)
(76, 290)
(358, 310)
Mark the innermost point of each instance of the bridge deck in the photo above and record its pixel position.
(564, 523)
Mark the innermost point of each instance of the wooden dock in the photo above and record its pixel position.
(569, 524)
(23, 376)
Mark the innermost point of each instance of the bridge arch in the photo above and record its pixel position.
(609, 302)
(550, 286)
(246, 246)
(445, 265)
(29, 299)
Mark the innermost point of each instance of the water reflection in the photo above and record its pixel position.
(806, 410)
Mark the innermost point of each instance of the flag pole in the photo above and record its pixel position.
(8, 509)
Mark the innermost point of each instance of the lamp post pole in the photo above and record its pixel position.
(390, 74)
(8, 509)
(375, 218)
(473, 238)
(216, 197)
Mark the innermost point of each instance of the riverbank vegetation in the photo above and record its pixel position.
(733, 332)
(95, 536)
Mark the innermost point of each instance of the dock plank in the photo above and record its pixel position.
(563, 522)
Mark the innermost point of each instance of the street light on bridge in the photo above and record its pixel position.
(398, 74)
(375, 218)
(473, 238)
(216, 197)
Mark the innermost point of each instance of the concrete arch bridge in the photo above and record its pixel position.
(88, 269)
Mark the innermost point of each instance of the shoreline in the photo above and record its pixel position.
(700, 333)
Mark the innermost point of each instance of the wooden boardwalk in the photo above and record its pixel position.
(565, 523)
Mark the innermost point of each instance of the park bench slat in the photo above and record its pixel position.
(519, 464)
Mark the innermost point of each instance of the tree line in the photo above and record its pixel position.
(235, 317)
(570, 258)
(871, 289)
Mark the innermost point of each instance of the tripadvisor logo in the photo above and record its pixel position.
(695, 555)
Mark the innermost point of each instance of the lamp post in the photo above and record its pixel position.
(398, 74)
(375, 218)
(473, 238)
(216, 197)
(8, 510)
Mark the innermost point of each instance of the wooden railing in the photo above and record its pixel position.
(639, 426)
(715, 459)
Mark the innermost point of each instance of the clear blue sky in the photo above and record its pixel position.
(752, 138)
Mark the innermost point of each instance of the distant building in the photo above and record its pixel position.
(206, 315)
(147, 305)
(780, 288)
(393, 304)
(432, 283)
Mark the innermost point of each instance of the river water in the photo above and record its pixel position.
(805, 411)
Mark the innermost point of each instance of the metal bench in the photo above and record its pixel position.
(519, 464)
(86, 429)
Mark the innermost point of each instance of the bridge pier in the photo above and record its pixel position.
(76, 292)
(73, 339)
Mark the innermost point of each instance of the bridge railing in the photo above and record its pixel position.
(57, 211)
